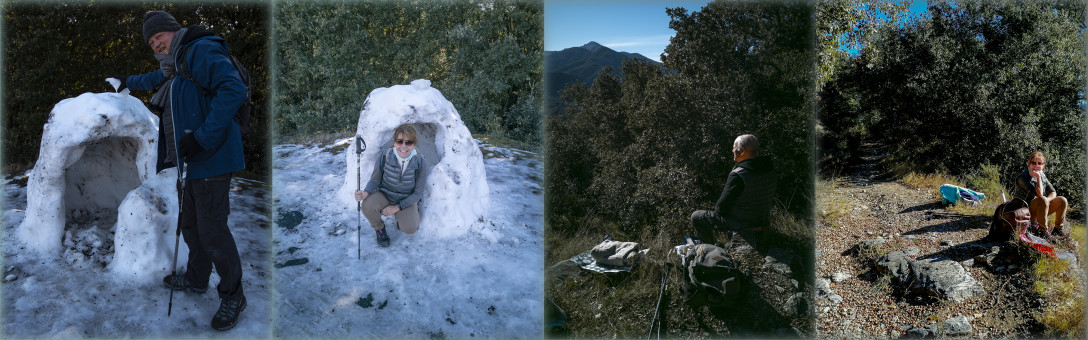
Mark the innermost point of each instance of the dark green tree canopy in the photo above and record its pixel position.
(97, 41)
(484, 57)
(974, 83)
(649, 147)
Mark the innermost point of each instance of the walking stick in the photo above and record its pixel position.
(177, 237)
(360, 146)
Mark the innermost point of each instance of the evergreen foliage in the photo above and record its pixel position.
(651, 146)
(974, 83)
(54, 51)
(484, 57)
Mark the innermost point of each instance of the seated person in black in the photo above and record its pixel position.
(745, 203)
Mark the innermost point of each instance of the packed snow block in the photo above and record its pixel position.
(456, 193)
(95, 148)
(147, 222)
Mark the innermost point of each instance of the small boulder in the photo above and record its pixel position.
(840, 277)
(944, 279)
(959, 325)
(896, 264)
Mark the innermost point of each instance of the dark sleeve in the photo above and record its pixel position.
(1048, 188)
(734, 186)
(1025, 185)
(376, 176)
(145, 82)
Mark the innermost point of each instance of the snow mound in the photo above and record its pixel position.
(95, 149)
(146, 228)
(456, 195)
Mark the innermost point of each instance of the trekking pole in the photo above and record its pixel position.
(360, 146)
(660, 294)
(177, 237)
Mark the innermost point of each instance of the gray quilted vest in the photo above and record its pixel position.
(397, 185)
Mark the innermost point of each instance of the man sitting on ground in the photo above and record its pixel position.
(745, 203)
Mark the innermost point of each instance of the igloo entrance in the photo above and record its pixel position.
(103, 172)
(95, 149)
(425, 142)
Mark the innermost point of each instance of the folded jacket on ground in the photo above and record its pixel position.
(615, 253)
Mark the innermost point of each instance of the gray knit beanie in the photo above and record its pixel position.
(158, 21)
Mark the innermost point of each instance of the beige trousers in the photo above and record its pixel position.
(1040, 209)
(407, 218)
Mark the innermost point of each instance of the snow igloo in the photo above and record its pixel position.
(456, 193)
(95, 176)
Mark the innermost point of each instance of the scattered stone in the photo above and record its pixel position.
(943, 279)
(840, 277)
(896, 264)
(912, 251)
(835, 298)
(939, 278)
(968, 263)
(1068, 257)
(959, 325)
(917, 333)
(778, 267)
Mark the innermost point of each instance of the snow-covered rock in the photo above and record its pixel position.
(455, 198)
(95, 148)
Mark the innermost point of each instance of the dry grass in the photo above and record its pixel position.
(1062, 286)
(829, 207)
(985, 180)
(929, 181)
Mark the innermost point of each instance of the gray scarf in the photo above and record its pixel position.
(166, 63)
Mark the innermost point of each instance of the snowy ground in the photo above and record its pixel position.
(74, 295)
(486, 283)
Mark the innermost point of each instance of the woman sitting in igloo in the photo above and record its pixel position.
(395, 186)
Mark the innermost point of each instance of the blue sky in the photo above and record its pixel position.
(631, 26)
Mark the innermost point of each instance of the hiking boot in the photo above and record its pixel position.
(383, 238)
(180, 282)
(1059, 232)
(227, 315)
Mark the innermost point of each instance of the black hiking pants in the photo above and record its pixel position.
(705, 223)
(205, 208)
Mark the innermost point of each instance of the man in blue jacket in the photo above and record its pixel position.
(745, 203)
(198, 132)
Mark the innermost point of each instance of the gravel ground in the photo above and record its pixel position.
(864, 304)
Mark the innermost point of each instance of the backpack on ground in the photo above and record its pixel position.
(244, 111)
(1007, 217)
(712, 277)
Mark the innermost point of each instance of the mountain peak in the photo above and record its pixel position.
(593, 46)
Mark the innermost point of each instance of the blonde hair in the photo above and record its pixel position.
(407, 130)
(1036, 154)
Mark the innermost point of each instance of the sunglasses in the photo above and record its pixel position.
(405, 142)
(1038, 163)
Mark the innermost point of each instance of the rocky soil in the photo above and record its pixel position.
(853, 300)
(774, 302)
